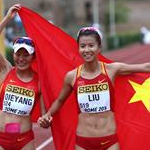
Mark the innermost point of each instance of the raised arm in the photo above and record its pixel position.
(123, 69)
(66, 90)
(10, 14)
(4, 64)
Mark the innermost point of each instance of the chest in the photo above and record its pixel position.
(18, 97)
(93, 95)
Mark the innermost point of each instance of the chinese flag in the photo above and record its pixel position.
(57, 53)
(132, 110)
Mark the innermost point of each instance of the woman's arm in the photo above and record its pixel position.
(10, 14)
(67, 88)
(5, 66)
(123, 69)
(42, 105)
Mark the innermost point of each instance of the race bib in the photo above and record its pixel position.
(94, 98)
(18, 100)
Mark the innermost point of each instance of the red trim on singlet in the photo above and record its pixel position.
(12, 79)
(103, 75)
(110, 85)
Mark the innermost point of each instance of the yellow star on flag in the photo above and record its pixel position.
(142, 93)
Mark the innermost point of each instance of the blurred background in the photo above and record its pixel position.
(124, 26)
(120, 21)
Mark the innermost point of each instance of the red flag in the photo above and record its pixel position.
(132, 110)
(56, 54)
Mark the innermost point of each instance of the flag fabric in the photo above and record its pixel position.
(56, 54)
(132, 111)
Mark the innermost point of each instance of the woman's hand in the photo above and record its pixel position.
(13, 10)
(45, 121)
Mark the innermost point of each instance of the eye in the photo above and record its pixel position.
(91, 45)
(17, 54)
(82, 45)
(26, 54)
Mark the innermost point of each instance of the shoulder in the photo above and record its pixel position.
(114, 65)
(4, 72)
(4, 64)
(114, 68)
(71, 77)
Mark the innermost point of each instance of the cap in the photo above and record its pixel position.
(24, 42)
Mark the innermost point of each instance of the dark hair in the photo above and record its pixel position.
(88, 32)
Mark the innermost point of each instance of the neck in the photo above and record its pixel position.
(25, 75)
(91, 67)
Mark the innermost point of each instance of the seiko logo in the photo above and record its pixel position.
(93, 88)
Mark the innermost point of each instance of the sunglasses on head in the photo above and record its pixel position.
(89, 29)
(23, 40)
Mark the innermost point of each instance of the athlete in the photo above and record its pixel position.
(19, 92)
(92, 83)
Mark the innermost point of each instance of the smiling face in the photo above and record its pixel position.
(22, 59)
(89, 47)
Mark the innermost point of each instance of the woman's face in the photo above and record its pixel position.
(89, 48)
(22, 59)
